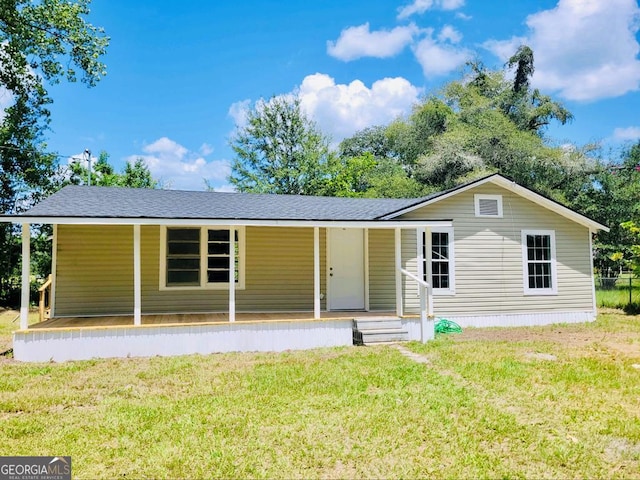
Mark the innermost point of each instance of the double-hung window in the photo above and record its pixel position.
(437, 251)
(200, 258)
(539, 262)
(183, 257)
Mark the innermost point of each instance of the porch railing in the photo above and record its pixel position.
(44, 302)
(426, 305)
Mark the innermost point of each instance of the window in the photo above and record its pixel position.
(439, 263)
(539, 262)
(195, 258)
(183, 256)
(488, 205)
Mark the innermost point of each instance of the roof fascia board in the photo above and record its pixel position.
(437, 198)
(512, 186)
(228, 222)
(549, 204)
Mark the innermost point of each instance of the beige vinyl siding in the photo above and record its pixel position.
(410, 288)
(95, 272)
(488, 257)
(382, 291)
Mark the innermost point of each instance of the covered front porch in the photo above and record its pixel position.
(84, 338)
(111, 297)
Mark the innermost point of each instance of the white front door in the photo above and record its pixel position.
(346, 269)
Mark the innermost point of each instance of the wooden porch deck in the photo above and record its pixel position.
(200, 318)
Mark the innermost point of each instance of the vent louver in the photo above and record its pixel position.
(488, 207)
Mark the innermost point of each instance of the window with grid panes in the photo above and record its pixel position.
(539, 262)
(199, 257)
(440, 259)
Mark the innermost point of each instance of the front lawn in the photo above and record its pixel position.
(552, 402)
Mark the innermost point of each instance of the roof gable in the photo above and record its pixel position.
(511, 186)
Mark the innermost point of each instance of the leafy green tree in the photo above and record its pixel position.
(487, 123)
(368, 176)
(135, 175)
(373, 140)
(415, 136)
(40, 43)
(611, 196)
(633, 229)
(280, 151)
(138, 175)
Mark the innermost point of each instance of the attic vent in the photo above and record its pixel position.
(488, 205)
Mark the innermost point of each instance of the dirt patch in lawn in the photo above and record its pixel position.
(565, 335)
(572, 336)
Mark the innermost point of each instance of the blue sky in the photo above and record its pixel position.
(181, 74)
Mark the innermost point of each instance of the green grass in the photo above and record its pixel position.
(9, 322)
(618, 295)
(480, 408)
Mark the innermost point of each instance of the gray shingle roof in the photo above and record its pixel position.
(114, 202)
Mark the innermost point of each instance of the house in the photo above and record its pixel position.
(159, 272)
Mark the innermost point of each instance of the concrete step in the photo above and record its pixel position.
(367, 330)
(384, 336)
(382, 324)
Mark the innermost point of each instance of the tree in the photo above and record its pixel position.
(611, 196)
(528, 109)
(522, 60)
(414, 137)
(138, 175)
(373, 140)
(367, 176)
(634, 229)
(280, 151)
(134, 175)
(40, 42)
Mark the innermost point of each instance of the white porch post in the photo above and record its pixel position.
(26, 274)
(421, 241)
(430, 313)
(398, 254)
(232, 274)
(137, 278)
(316, 272)
(366, 269)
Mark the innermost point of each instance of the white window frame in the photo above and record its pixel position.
(481, 196)
(428, 260)
(525, 263)
(204, 285)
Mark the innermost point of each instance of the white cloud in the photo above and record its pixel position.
(357, 42)
(238, 111)
(420, 6)
(450, 4)
(166, 147)
(439, 57)
(584, 49)
(179, 168)
(206, 149)
(463, 16)
(504, 49)
(226, 188)
(340, 109)
(449, 34)
(628, 133)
